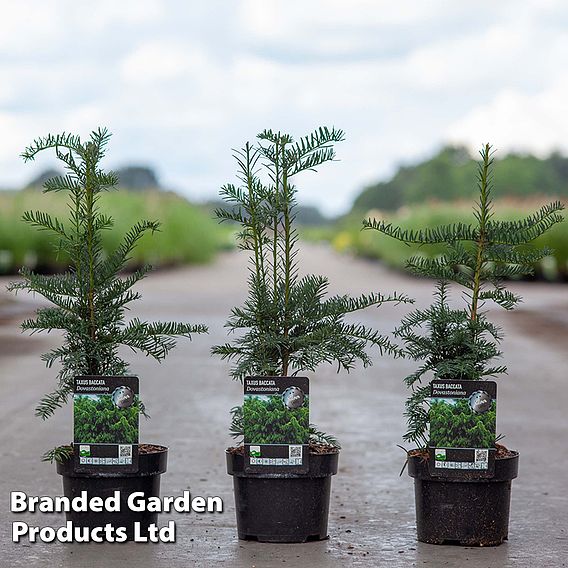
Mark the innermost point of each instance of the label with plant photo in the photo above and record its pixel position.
(462, 418)
(105, 424)
(276, 423)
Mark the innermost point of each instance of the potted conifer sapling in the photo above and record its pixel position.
(286, 327)
(88, 306)
(462, 475)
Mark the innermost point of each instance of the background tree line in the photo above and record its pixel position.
(449, 175)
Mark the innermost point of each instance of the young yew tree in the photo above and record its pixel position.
(89, 301)
(460, 344)
(287, 325)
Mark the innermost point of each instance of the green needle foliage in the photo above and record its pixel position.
(98, 421)
(237, 430)
(90, 300)
(287, 324)
(460, 344)
(455, 425)
(270, 422)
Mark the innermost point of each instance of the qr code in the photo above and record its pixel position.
(125, 451)
(481, 455)
(295, 451)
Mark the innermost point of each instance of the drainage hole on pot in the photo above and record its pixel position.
(250, 537)
(313, 538)
(452, 542)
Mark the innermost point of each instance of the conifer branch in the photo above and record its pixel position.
(89, 301)
(287, 325)
(460, 344)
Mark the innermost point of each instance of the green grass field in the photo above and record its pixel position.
(346, 235)
(188, 233)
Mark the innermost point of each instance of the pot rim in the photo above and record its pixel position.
(320, 465)
(506, 469)
(153, 463)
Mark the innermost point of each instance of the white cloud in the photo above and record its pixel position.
(24, 26)
(181, 83)
(516, 121)
(131, 12)
(154, 62)
(276, 20)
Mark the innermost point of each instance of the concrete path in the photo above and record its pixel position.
(372, 515)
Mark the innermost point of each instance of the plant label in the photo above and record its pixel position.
(276, 423)
(462, 428)
(105, 424)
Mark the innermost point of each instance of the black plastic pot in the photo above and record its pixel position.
(468, 512)
(283, 507)
(146, 480)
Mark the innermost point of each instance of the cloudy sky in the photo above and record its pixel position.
(181, 82)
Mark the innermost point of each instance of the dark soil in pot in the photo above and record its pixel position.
(467, 512)
(152, 463)
(283, 507)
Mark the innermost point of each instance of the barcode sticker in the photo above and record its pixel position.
(125, 451)
(481, 456)
(295, 451)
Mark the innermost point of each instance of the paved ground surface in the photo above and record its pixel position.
(372, 516)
